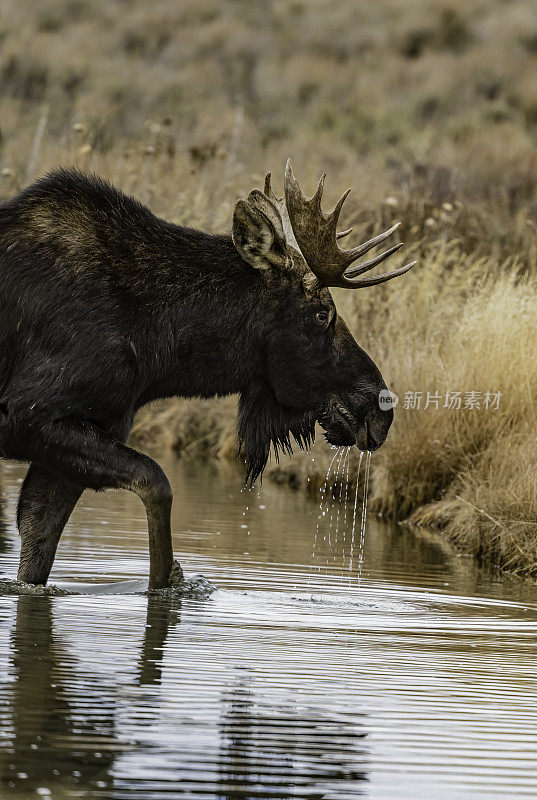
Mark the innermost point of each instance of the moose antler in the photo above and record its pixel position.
(314, 233)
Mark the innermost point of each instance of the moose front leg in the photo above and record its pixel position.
(83, 455)
(45, 505)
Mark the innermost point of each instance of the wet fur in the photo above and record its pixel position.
(263, 422)
(105, 307)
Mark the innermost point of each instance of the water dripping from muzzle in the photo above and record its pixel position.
(335, 486)
(323, 493)
(335, 492)
(345, 505)
(343, 478)
(354, 511)
(364, 517)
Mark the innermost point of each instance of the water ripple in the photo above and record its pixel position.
(289, 681)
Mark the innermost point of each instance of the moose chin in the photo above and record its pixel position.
(105, 307)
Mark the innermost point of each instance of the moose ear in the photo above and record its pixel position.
(256, 238)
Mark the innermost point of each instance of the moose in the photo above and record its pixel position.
(105, 307)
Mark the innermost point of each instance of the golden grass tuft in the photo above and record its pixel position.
(494, 514)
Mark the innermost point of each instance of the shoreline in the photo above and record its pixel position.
(206, 429)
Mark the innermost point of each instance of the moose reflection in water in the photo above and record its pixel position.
(61, 728)
(297, 751)
(68, 729)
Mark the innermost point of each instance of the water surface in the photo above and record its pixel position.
(291, 681)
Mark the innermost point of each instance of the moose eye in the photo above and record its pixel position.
(322, 317)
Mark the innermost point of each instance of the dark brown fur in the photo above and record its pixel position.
(104, 307)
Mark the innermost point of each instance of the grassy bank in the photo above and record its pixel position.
(427, 110)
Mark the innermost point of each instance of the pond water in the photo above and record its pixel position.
(290, 681)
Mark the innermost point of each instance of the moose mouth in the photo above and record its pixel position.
(343, 429)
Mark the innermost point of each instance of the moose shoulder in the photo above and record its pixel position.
(104, 307)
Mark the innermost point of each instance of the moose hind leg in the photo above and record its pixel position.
(45, 505)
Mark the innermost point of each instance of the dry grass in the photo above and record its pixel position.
(474, 333)
(494, 515)
(476, 466)
(198, 427)
(427, 110)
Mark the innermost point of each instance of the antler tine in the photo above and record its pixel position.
(291, 186)
(281, 206)
(333, 217)
(268, 189)
(360, 283)
(363, 248)
(318, 196)
(344, 233)
(365, 266)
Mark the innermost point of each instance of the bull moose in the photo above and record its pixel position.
(105, 307)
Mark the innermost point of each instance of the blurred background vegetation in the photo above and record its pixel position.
(427, 109)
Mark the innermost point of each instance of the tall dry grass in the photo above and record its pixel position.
(427, 109)
(468, 466)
